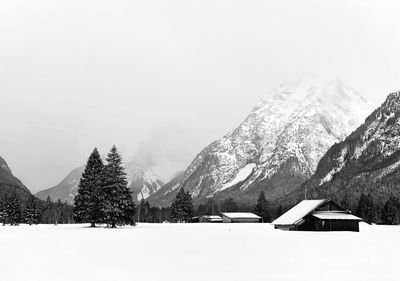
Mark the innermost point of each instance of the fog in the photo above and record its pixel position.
(78, 74)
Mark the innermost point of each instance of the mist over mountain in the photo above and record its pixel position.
(279, 144)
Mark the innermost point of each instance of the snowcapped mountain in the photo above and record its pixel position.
(141, 180)
(9, 183)
(142, 174)
(367, 161)
(279, 144)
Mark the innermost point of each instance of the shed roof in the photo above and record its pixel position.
(336, 216)
(298, 212)
(241, 215)
(212, 217)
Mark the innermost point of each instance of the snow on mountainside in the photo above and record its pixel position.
(279, 144)
(141, 180)
(368, 161)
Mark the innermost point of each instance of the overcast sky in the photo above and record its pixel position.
(77, 74)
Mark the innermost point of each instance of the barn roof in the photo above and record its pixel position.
(212, 218)
(335, 216)
(241, 215)
(298, 212)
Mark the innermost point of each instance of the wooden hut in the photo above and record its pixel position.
(211, 219)
(240, 217)
(318, 215)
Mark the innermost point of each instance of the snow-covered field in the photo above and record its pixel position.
(205, 252)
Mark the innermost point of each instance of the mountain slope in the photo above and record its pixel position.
(141, 180)
(368, 161)
(66, 189)
(279, 144)
(9, 183)
(167, 192)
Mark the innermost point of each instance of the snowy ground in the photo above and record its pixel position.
(205, 252)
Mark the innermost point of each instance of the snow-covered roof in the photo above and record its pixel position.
(212, 217)
(241, 215)
(335, 216)
(298, 212)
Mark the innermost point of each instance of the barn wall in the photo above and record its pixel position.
(314, 224)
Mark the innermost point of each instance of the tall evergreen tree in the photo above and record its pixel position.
(262, 208)
(117, 203)
(87, 202)
(13, 210)
(182, 207)
(390, 211)
(366, 208)
(31, 213)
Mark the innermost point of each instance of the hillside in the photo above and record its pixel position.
(9, 183)
(279, 144)
(368, 161)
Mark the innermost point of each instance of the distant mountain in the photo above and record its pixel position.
(167, 193)
(279, 144)
(368, 161)
(66, 189)
(142, 180)
(9, 183)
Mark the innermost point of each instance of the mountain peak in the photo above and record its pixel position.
(279, 144)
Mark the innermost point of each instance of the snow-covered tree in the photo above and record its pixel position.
(182, 207)
(262, 208)
(118, 207)
(13, 210)
(87, 202)
(31, 213)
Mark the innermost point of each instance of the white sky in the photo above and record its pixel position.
(77, 74)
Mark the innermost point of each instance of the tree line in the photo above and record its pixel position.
(13, 211)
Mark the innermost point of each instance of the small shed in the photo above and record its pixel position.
(317, 215)
(212, 219)
(240, 217)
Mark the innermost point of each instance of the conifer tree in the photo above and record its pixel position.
(31, 213)
(13, 210)
(117, 203)
(262, 208)
(87, 202)
(2, 211)
(366, 208)
(390, 211)
(182, 207)
(279, 212)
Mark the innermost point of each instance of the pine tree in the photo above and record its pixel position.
(2, 211)
(390, 211)
(31, 214)
(262, 208)
(87, 202)
(279, 212)
(182, 207)
(117, 203)
(366, 208)
(13, 210)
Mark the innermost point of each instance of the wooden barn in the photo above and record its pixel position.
(211, 219)
(240, 217)
(317, 215)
